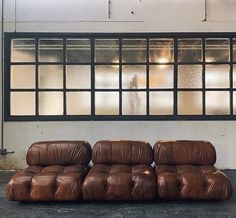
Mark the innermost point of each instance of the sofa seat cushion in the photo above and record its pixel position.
(120, 182)
(51, 183)
(192, 182)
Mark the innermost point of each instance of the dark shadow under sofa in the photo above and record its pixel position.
(121, 170)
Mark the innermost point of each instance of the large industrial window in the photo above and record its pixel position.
(167, 76)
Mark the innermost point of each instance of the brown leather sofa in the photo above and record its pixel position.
(185, 170)
(55, 173)
(121, 171)
(58, 171)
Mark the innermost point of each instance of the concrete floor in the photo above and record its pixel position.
(118, 209)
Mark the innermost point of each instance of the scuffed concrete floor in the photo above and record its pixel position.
(171, 209)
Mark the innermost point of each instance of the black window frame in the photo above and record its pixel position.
(175, 36)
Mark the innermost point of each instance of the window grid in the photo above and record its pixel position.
(120, 90)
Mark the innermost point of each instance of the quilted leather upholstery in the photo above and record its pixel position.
(192, 182)
(185, 170)
(120, 182)
(51, 183)
(122, 152)
(56, 172)
(59, 152)
(184, 152)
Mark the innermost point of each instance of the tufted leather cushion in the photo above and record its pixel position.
(59, 152)
(50, 183)
(184, 152)
(122, 152)
(120, 182)
(192, 182)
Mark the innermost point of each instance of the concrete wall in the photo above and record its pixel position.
(92, 16)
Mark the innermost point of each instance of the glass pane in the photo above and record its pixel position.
(22, 76)
(161, 76)
(50, 50)
(161, 50)
(217, 76)
(107, 103)
(22, 103)
(189, 50)
(50, 103)
(217, 50)
(189, 76)
(189, 103)
(217, 103)
(107, 77)
(134, 103)
(234, 101)
(78, 103)
(161, 103)
(23, 50)
(78, 50)
(78, 76)
(234, 49)
(107, 50)
(51, 76)
(133, 77)
(234, 75)
(134, 50)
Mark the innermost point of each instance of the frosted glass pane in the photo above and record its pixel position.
(217, 50)
(234, 102)
(78, 103)
(134, 103)
(189, 76)
(50, 50)
(133, 77)
(189, 50)
(134, 50)
(217, 103)
(234, 75)
(22, 76)
(161, 50)
(106, 77)
(161, 103)
(23, 50)
(234, 49)
(78, 50)
(161, 76)
(107, 50)
(50, 76)
(217, 76)
(189, 103)
(78, 76)
(50, 103)
(22, 103)
(106, 103)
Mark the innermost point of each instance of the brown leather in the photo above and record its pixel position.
(184, 152)
(120, 182)
(122, 152)
(59, 152)
(61, 180)
(52, 183)
(192, 182)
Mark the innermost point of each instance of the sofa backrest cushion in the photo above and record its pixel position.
(184, 152)
(122, 152)
(59, 153)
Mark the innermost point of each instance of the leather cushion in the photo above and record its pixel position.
(184, 152)
(59, 153)
(192, 182)
(52, 183)
(120, 182)
(122, 152)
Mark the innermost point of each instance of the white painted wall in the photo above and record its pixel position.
(92, 16)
